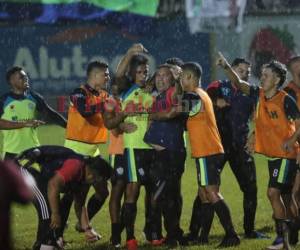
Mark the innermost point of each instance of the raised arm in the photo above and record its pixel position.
(123, 64)
(234, 78)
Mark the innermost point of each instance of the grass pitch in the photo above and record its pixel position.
(25, 219)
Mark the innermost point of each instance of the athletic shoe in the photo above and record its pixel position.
(156, 243)
(132, 244)
(256, 235)
(230, 241)
(277, 244)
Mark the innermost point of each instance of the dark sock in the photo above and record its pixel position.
(129, 219)
(250, 204)
(122, 223)
(94, 205)
(115, 233)
(223, 213)
(195, 223)
(207, 219)
(278, 227)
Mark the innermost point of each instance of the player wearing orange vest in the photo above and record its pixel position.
(208, 152)
(87, 127)
(276, 136)
(293, 89)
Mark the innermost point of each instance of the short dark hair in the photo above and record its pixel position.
(94, 65)
(238, 61)
(12, 71)
(292, 60)
(194, 67)
(175, 61)
(279, 69)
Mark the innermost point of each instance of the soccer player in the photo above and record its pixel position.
(131, 76)
(118, 179)
(21, 104)
(233, 111)
(86, 130)
(208, 154)
(13, 189)
(277, 130)
(60, 170)
(165, 135)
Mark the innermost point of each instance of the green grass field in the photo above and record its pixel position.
(25, 220)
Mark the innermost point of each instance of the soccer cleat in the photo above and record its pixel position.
(132, 244)
(256, 235)
(156, 243)
(230, 241)
(277, 244)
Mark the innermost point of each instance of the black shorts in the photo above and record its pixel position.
(119, 168)
(209, 170)
(137, 164)
(282, 173)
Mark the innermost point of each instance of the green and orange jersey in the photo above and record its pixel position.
(202, 127)
(274, 123)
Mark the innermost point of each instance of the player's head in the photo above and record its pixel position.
(294, 67)
(273, 75)
(175, 61)
(97, 170)
(242, 67)
(164, 77)
(98, 74)
(17, 78)
(191, 75)
(138, 69)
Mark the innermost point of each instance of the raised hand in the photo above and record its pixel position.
(221, 60)
(137, 48)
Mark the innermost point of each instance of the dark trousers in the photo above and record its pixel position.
(165, 176)
(243, 167)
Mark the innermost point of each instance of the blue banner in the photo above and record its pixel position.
(55, 57)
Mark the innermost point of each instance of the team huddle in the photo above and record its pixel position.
(144, 120)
